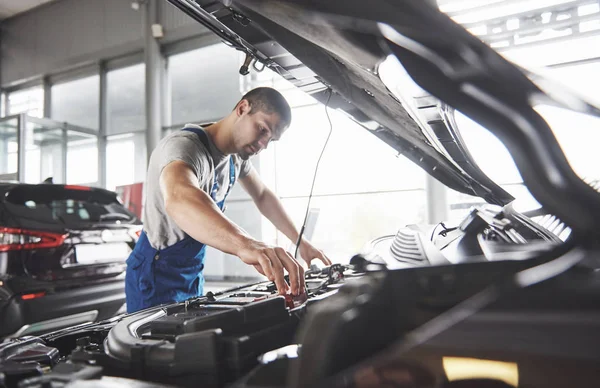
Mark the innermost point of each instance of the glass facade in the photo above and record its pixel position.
(82, 159)
(77, 102)
(126, 108)
(120, 161)
(30, 101)
(204, 84)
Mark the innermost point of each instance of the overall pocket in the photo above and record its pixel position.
(178, 276)
(140, 274)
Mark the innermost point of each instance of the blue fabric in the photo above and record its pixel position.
(172, 274)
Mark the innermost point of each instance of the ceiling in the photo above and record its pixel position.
(9, 8)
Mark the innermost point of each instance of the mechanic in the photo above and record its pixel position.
(189, 176)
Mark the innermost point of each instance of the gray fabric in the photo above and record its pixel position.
(206, 164)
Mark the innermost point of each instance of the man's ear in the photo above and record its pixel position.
(242, 107)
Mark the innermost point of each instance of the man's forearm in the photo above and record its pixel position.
(197, 215)
(272, 208)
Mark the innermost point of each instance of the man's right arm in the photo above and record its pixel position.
(196, 214)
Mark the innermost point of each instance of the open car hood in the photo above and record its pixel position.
(332, 51)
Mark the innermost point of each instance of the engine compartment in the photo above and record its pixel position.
(497, 287)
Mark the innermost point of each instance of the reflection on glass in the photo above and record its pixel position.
(77, 102)
(82, 158)
(125, 94)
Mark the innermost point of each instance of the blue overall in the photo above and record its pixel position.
(172, 274)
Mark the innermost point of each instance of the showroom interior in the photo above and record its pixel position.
(85, 101)
(90, 87)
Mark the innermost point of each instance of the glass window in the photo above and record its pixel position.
(45, 140)
(77, 102)
(346, 223)
(583, 79)
(126, 105)
(120, 161)
(354, 161)
(578, 135)
(30, 101)
(488, 151)
(294, 96)
(82, 158)
(205, 84)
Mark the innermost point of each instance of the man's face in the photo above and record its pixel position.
(253, 131)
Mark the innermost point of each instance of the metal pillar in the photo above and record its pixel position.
(102, 128)
(64, 150)
(437, 202)
(47, 98)
(139, 170)
(22, 138)
(166, 95)
(154, 67)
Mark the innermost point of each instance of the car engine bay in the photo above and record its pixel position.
(415, 305)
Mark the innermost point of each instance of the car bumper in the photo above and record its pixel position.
(61, 309)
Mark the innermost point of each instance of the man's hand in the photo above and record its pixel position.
(270, 261)
(308, 252)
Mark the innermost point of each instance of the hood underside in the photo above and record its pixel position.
(332, 51)
(318, 54)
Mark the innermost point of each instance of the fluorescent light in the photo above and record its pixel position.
(507, 8)
(588, 9)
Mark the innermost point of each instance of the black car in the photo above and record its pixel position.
(62, 256)
(503, 298)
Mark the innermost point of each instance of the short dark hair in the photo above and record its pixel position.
(270, 101)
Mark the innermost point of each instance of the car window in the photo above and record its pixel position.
(47, 203)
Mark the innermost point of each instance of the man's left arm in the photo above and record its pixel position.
(271, 207)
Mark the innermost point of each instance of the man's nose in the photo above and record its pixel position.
(263, 143)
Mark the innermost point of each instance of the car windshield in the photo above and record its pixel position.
(47, 203)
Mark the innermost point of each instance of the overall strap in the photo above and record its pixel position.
(231, 175)
(201, 135)
(204, 139)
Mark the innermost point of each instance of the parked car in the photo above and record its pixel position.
(504, 298)
(62, 256)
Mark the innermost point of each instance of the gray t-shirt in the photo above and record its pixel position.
(206, 164)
